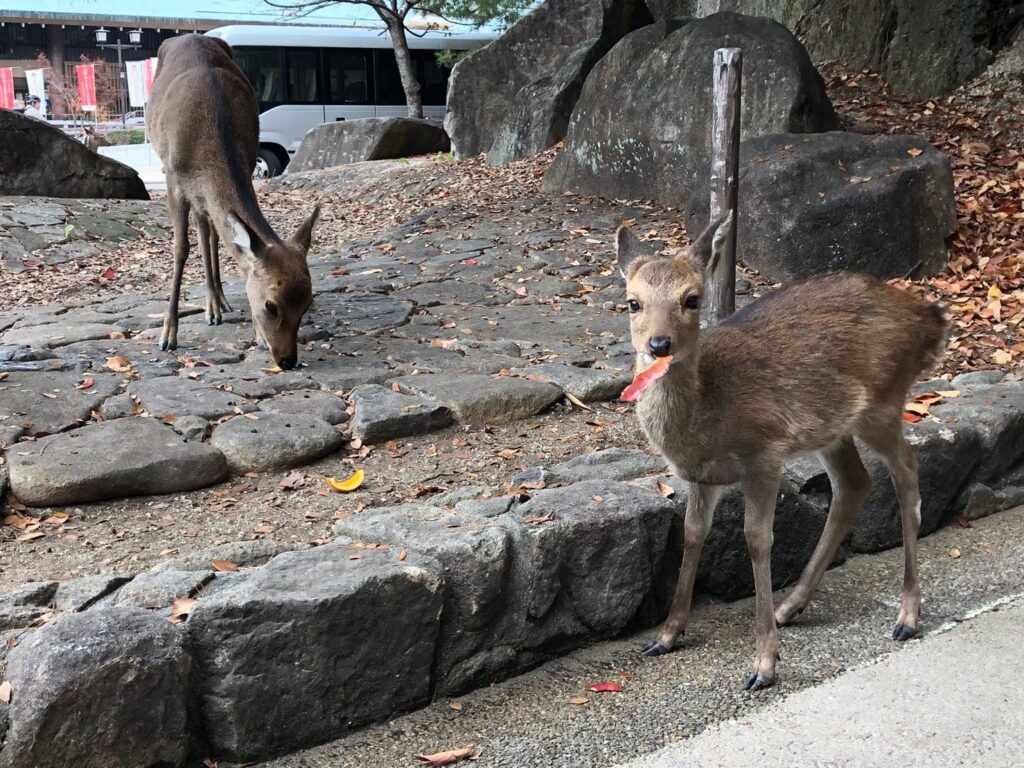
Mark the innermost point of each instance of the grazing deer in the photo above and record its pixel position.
(741, 398)
(204, 124)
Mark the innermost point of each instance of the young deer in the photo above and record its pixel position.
(741, 398)
(204, 124)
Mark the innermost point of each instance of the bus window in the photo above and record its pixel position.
(433, 78)
(264, 67)
(389, 84)
(303, 76)
(348, 77)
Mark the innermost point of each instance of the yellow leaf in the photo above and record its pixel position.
(348, 484)
(994, 292)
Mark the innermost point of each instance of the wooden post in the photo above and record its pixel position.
(727, 77)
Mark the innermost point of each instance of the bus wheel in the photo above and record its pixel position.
(268, 165)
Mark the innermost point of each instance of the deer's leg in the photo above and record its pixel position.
(850, 486)
(178, 207)
(213, 316)
(701, 501)
(214, 245)
(899, 457)
(759, 514)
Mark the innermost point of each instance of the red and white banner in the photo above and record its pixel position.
(6, 88)
(150, 70)
(86, 74)
(137, 96)
(36, 83)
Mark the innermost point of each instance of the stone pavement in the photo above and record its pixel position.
(448, 318)
(954, 699)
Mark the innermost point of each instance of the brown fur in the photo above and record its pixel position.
(204, 124)
(804, 369)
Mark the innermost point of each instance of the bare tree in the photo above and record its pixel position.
(395, 15)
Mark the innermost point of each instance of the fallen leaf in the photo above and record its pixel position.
(666, 490)
(264, 528)
(118, 364)
(577, 402)
(275, 369)
(539, 520)
(4, 375)
(451, 756)
(520, 290)
(292, 481)
(579, 700)
(914, 152)
(403, 554)
(598, 499)
(117, 335)
(456, 705)
(6, 688)
(108, 274)
(348, 484)
(606, 688)
(224, 566)
(30, 536)
(180, 609)
(954, 553)
(84, 384)
(963, 522)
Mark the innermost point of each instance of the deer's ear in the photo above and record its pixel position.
(303, 236)
(707, 249)
(628, 250)
(244, 240)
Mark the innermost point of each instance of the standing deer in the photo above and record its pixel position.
(204, 124)
(741, 398)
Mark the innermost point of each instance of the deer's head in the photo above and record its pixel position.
(664, 294)
(278, 285)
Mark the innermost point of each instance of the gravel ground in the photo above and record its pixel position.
(529, 722)
(129, 535)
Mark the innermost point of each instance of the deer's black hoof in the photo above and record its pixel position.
(902, 632)
(210, 320)
(758, 682)
(655, 649)
(167, 345)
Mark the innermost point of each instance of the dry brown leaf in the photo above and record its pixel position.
(180, 609)
(118, 364)
(224, 566)
(954, 553)
(579, 700)
(403, 554)
(666, 490)
(456, 705)
(577, 402)
(5, 691)
(450, 757)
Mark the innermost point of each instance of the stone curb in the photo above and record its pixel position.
(428, 599)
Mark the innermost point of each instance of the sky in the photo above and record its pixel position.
(241, 10)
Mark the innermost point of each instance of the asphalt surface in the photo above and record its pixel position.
(531, 722)
(955, 699)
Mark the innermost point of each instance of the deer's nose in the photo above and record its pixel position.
(659, 345)
(287, 362)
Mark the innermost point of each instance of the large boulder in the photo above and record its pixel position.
(374, 138)
(642, 126)
(836, 201)
(103, 689)
(39, 159)
(923, 49)
(513, 98)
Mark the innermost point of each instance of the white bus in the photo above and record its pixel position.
(305, 76)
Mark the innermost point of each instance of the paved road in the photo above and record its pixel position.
(529, 722)
(954, 699)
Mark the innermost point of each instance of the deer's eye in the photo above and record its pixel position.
(271, 308)
(634, 305)
(691, 302)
